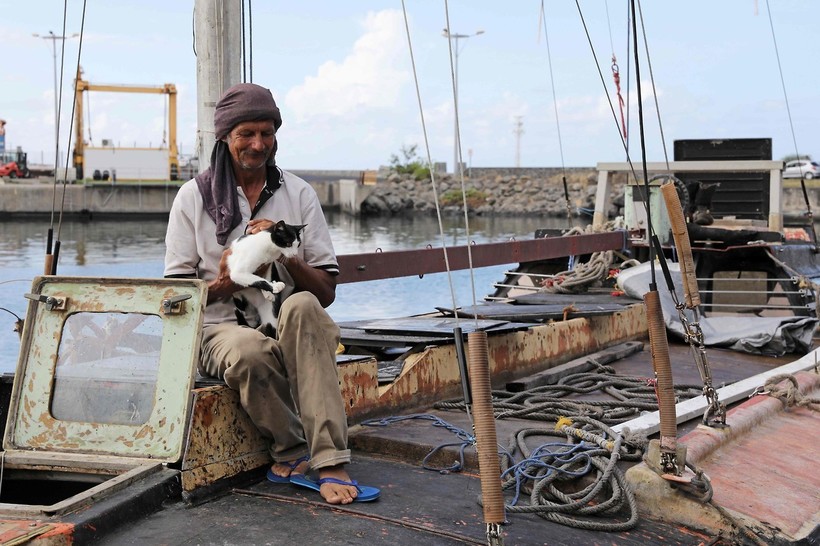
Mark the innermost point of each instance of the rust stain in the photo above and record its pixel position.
(143, 432)
(65, 532)
(204, 410)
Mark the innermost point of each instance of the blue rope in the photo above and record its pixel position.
(543, 462)
(466, 438)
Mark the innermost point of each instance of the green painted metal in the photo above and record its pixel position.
(107, 366)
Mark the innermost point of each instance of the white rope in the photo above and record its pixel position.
(586, 274)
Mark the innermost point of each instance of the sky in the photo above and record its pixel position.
(342, 75)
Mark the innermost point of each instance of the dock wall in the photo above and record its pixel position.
(100, 200)
(337, 190)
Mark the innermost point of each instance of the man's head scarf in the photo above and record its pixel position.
(242, 102)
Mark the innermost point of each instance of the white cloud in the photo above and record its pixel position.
(367, 79)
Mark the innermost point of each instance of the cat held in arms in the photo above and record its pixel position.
(257, 305)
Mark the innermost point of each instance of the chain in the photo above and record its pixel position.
(715, 415)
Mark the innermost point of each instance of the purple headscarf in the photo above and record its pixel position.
(217, 184)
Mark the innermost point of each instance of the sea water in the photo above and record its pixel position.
(136, 248)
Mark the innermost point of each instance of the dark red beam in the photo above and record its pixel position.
(404, 263)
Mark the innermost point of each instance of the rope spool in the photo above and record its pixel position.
(484, 422)
(663, 371)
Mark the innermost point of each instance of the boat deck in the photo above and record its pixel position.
(441, 507)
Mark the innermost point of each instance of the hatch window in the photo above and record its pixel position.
(107, 368)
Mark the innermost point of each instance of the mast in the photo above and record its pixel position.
(218, 64)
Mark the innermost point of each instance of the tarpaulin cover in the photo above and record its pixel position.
(751, 334)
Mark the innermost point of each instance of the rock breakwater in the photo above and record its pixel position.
(500, 194)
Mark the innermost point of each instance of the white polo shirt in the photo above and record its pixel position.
(191, 247)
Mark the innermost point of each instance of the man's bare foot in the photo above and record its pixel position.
(335, 493)
(286, 468)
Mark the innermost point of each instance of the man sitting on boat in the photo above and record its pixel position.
(288, 384)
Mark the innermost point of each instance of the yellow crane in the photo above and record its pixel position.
(167, 89)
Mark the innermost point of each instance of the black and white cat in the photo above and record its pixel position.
(256, 305)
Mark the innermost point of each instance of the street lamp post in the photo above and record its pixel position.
(456, 37)
(53, 37)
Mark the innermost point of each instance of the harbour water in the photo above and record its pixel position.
(131, 248)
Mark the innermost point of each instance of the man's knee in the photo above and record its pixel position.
(238, 345)
(300, 302)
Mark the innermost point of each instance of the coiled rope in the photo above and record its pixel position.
(581, 276)
(550, 474)
(632, 395)
(572, 478)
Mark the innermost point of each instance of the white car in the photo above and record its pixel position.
(802, 168)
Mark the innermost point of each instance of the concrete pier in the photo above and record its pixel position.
(337, 190)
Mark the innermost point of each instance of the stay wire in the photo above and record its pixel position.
(70, 133)
(57, 128)
(611, 106)
(430, 163)
(789, 114)
(242, 40)
(247, 41)
(50, 232)
(651, 228)
(628, 79)
(458, 170)
(555, 107)
(654, 89)
(250, 40)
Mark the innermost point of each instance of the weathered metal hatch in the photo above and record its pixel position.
(102, 391)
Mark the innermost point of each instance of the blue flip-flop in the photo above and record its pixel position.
(273, 478)
(366, 493)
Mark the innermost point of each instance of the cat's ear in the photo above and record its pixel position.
(300, 228)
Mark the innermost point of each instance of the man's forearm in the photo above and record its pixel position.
(316, 281)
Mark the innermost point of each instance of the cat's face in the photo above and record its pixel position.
(286, 235)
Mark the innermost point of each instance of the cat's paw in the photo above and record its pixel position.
(270, 296)
(278, 287)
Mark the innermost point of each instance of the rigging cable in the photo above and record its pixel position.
(479, 382)
(489, 466)
(242, 40)
(809, 214)
(53, 253)
(543, 18)
(628, 76)
(247, 39)
(654, 89)
(457, 337)
(250, 40)
(458, 168)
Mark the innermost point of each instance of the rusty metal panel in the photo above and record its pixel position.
(433, 375)
(157, 434)
(206, 475)
(359, 383)
(221, 431)
(404, 263)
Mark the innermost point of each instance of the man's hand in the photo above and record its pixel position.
(222, 286)
(257, 225)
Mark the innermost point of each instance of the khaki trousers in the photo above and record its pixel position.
(288, 386)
